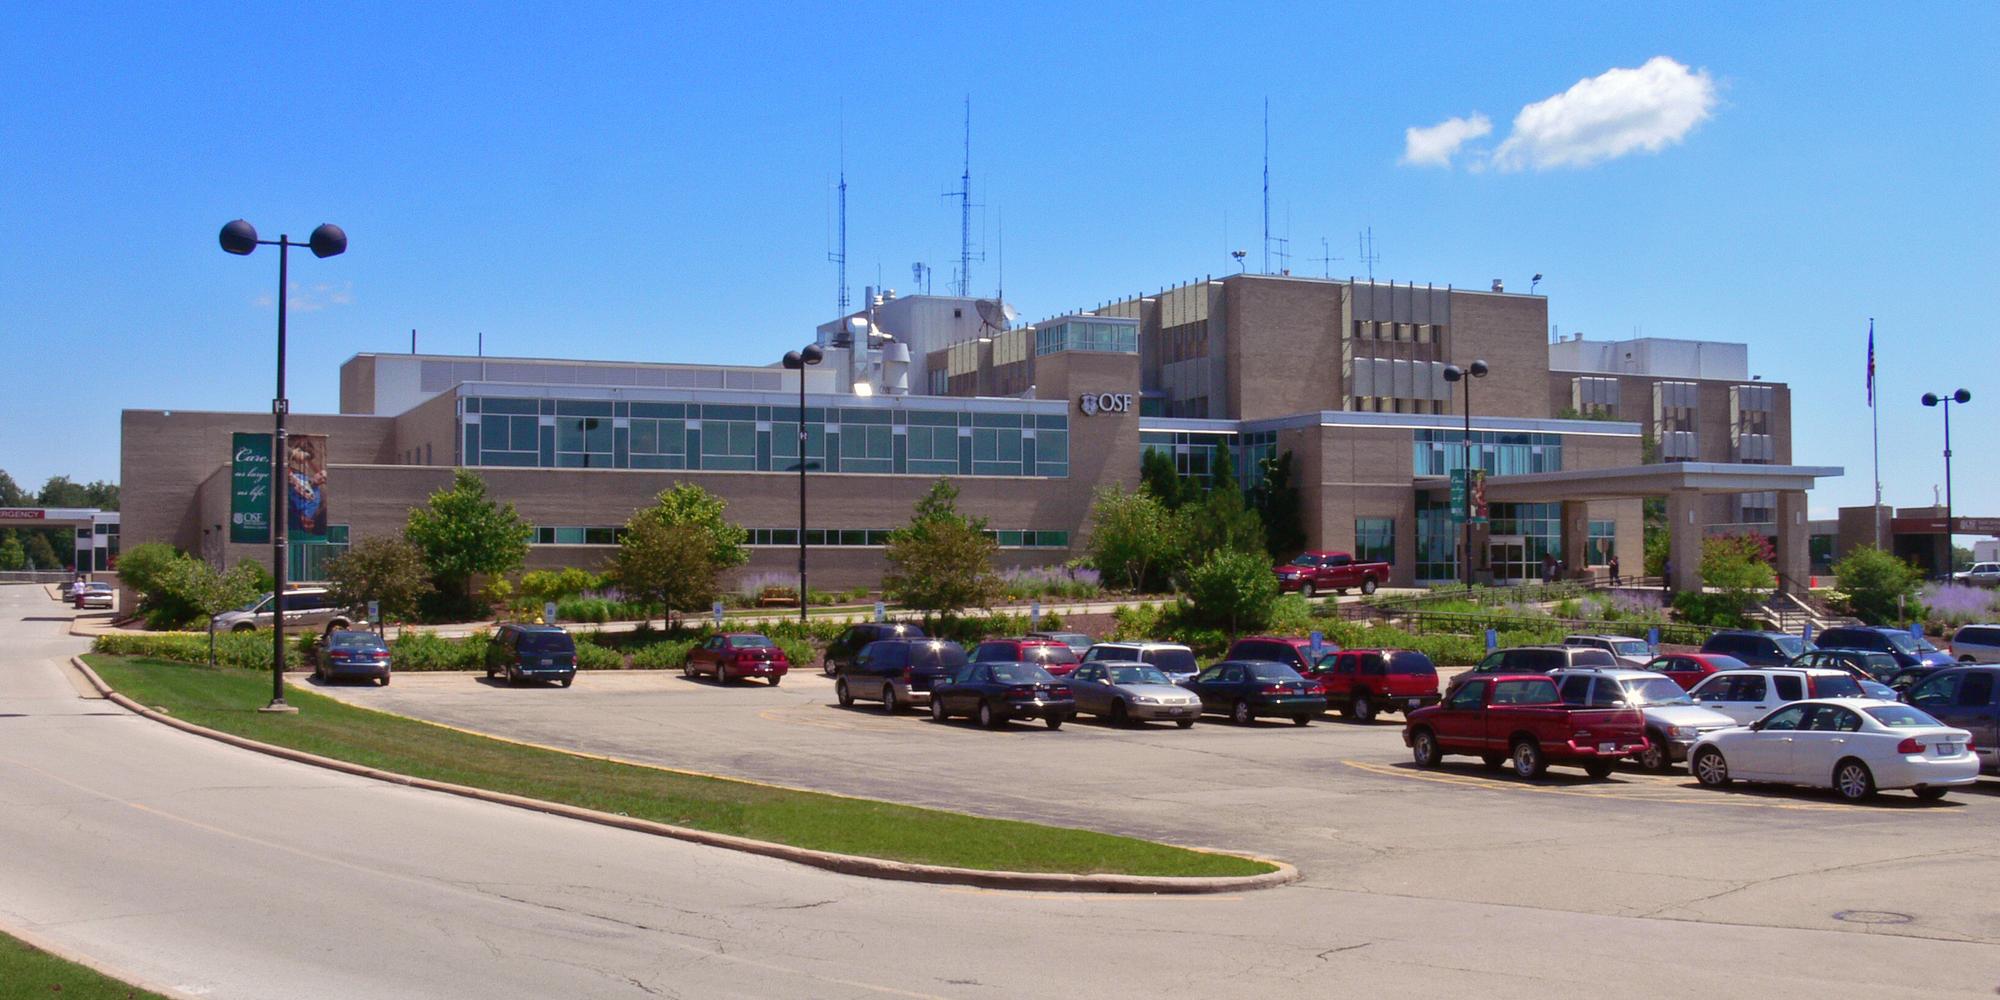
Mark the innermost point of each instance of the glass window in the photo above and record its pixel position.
(1525, 692)
(1786, 719)
(1607, 694)
(1977, 689)
(1575, 688)
(1830, 687)
(1789, 687)
(1902, 717)
(1375, 539)
(1472, 695)
(1179, 661)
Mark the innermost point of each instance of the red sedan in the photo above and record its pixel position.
(1689, 669)
(732, 656)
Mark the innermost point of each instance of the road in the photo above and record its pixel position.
(227, 874)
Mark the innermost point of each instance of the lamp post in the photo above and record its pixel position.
(797, 361)
(1453, 373)
(327, 240)
(1960, 397)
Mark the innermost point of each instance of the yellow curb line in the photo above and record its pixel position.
(846, 864)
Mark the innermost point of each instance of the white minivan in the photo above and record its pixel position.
(305, 607)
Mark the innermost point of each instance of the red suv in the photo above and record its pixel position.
(1291, 651)
(732, 656)
(1361, 682)
(1051, 655)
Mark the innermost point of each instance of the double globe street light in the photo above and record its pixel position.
(1453, 373)
(240, 238)
(798, 361)
(1960, 397)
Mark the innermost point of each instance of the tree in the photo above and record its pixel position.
(177, 590)
(1158, 477)
(1222, 522)
(1880, 588)
(11, 494)
(144, 567)
(1277, 503)
(1232, 591)
(12, 555)
(42, 555)
(462, 532)
(1133, 537)
(544, 586)
(943, 560)
(381, 568)
(668, 566)
(1738, 564)
(690, 505)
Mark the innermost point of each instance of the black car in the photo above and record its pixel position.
(1909, 650)
(1246, 690)
(897, 672)
(1538, 660)
(345, 655)
(532, 653)
(994, 692)
(1758, 649)
(842, 649)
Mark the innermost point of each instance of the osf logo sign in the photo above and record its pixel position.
(1105, 402)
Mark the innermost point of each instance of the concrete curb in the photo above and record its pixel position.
(846, 864)
(39, 943)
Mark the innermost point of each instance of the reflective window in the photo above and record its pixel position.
(1375, 539)
(1500, 453)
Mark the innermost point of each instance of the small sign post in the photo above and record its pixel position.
(881, 612)
(716, 611)
(1492, 640)
(1318, 645)
(549, 613)
(375, 615)
(1653, 639)
(1035, 615)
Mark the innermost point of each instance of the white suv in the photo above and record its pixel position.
(1985, 574)
(1673, 720)
(1976, 644)
(1172, 658)
(1749, 695)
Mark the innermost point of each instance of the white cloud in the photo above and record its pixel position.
(1433, 145)
(303, 299)
(1607, 116)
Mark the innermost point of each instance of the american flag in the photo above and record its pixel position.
(1871, 362)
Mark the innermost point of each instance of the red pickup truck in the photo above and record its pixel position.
(1522, 718)
(1317, 572)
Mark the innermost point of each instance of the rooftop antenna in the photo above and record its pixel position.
(1267, 186)
(920, 275)
(1325, 259)
(1000, 250)
(839, 255)
(482, 343)
(1285, 243)
(1368, 255)
(964, 196)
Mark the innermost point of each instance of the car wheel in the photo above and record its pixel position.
(1302, 720)
(238, 628)
(1120, 716)
(1240, 713)
(826, 667)
(937, 709)
(1184, 723)
(1853, 780)
(986, 716)
(1363, 708)
(888, 699)
(1306, 591)
(1492, 761)
(1368, 586)
(1424, 749)
(842, 694)
(1930, 794)
(687, 669)
(1657, 757)
(1598, 769)
(1054, 721)
(383, 680)
(567, 681)
(1710, 768)
(1528, 760)
(775, 678)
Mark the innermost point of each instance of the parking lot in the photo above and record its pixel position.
(1339, 799)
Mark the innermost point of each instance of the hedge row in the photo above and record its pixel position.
(424, 651)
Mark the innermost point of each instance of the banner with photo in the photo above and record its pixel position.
(305, 476)
(250, 489)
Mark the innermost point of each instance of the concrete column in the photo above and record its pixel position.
(1794, 540)
(1684, 534)
(1575, 538)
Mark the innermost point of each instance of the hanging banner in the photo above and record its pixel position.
(305, 476)
(250, 489)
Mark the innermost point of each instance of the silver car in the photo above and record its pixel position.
(1127, 691)
(1673, 720)
(305, 607)
(1629, 651)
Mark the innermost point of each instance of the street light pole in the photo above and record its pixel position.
(327, 240)
(1453, 373)
(1960, 397)
(798, 361)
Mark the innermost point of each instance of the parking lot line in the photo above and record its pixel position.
(1621, 791)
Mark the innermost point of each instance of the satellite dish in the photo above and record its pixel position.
(995, 313)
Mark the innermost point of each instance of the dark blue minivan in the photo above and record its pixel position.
(532, 653)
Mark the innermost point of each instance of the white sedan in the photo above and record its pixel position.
(1851, 745)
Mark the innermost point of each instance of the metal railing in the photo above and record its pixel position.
(1464, 623)
(34, 576)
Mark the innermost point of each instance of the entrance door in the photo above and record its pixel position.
(1507, 557)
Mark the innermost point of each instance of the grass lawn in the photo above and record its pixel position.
(26, 972)
(227, 699)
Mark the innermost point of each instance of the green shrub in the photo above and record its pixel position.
(662, 654)
(802, 654)
(425, 651)
(1880, 588)
(246, 650)
(1723, 610)
(591, 656)
(1231, 591)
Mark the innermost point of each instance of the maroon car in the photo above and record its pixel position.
(1318, 572)
(1521, 717)
(1051, 655)
(1689, 669)
(731, 656)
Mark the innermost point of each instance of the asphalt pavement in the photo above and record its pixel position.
(224, 873)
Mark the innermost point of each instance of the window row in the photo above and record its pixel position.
(787, 537)
(1499, 453)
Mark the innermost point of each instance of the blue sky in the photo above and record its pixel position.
(641, 181)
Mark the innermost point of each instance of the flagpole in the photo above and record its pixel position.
(1875, 420)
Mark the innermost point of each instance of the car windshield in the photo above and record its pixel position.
(1411, 663)
(749, 642)
(1138, 675)
(1901, 642)
(1070, 638)
(1020, 673)
(1265, 671)
(256, 605)
(546, 642)
(1879, 664)
(1586, 657)
(1656, 691)
(1050, 654)
(1842, 686)
(949, 655)
(1631, 648)
(1179, 661)
(1902, 717)
(1722, 662)
(1303, 561)
(1790, 645)
(353, 640)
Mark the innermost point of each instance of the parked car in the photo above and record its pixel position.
(1976, 644)
(1520, 717)
(1853, 747)
(897, 672)
(66, 589)
(1878, 673)
(997, 692)
(1247, 690)
(731, 656)
(522, 652)
(1361, 682)
(842, 649)
(1749, 695)
(1673, 720)
(1536, 660)
(1173, 659)
(1318, 572)
(1629, 652)
(305, 607)
(1757, 649)
(1292, 651)
(1964, 697)
(1127, 692)
(1982, 574)
(1909, 650)
(345, 655)
(1076, 641)
(95, 595)
(1689, 669)
(1055, 657)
